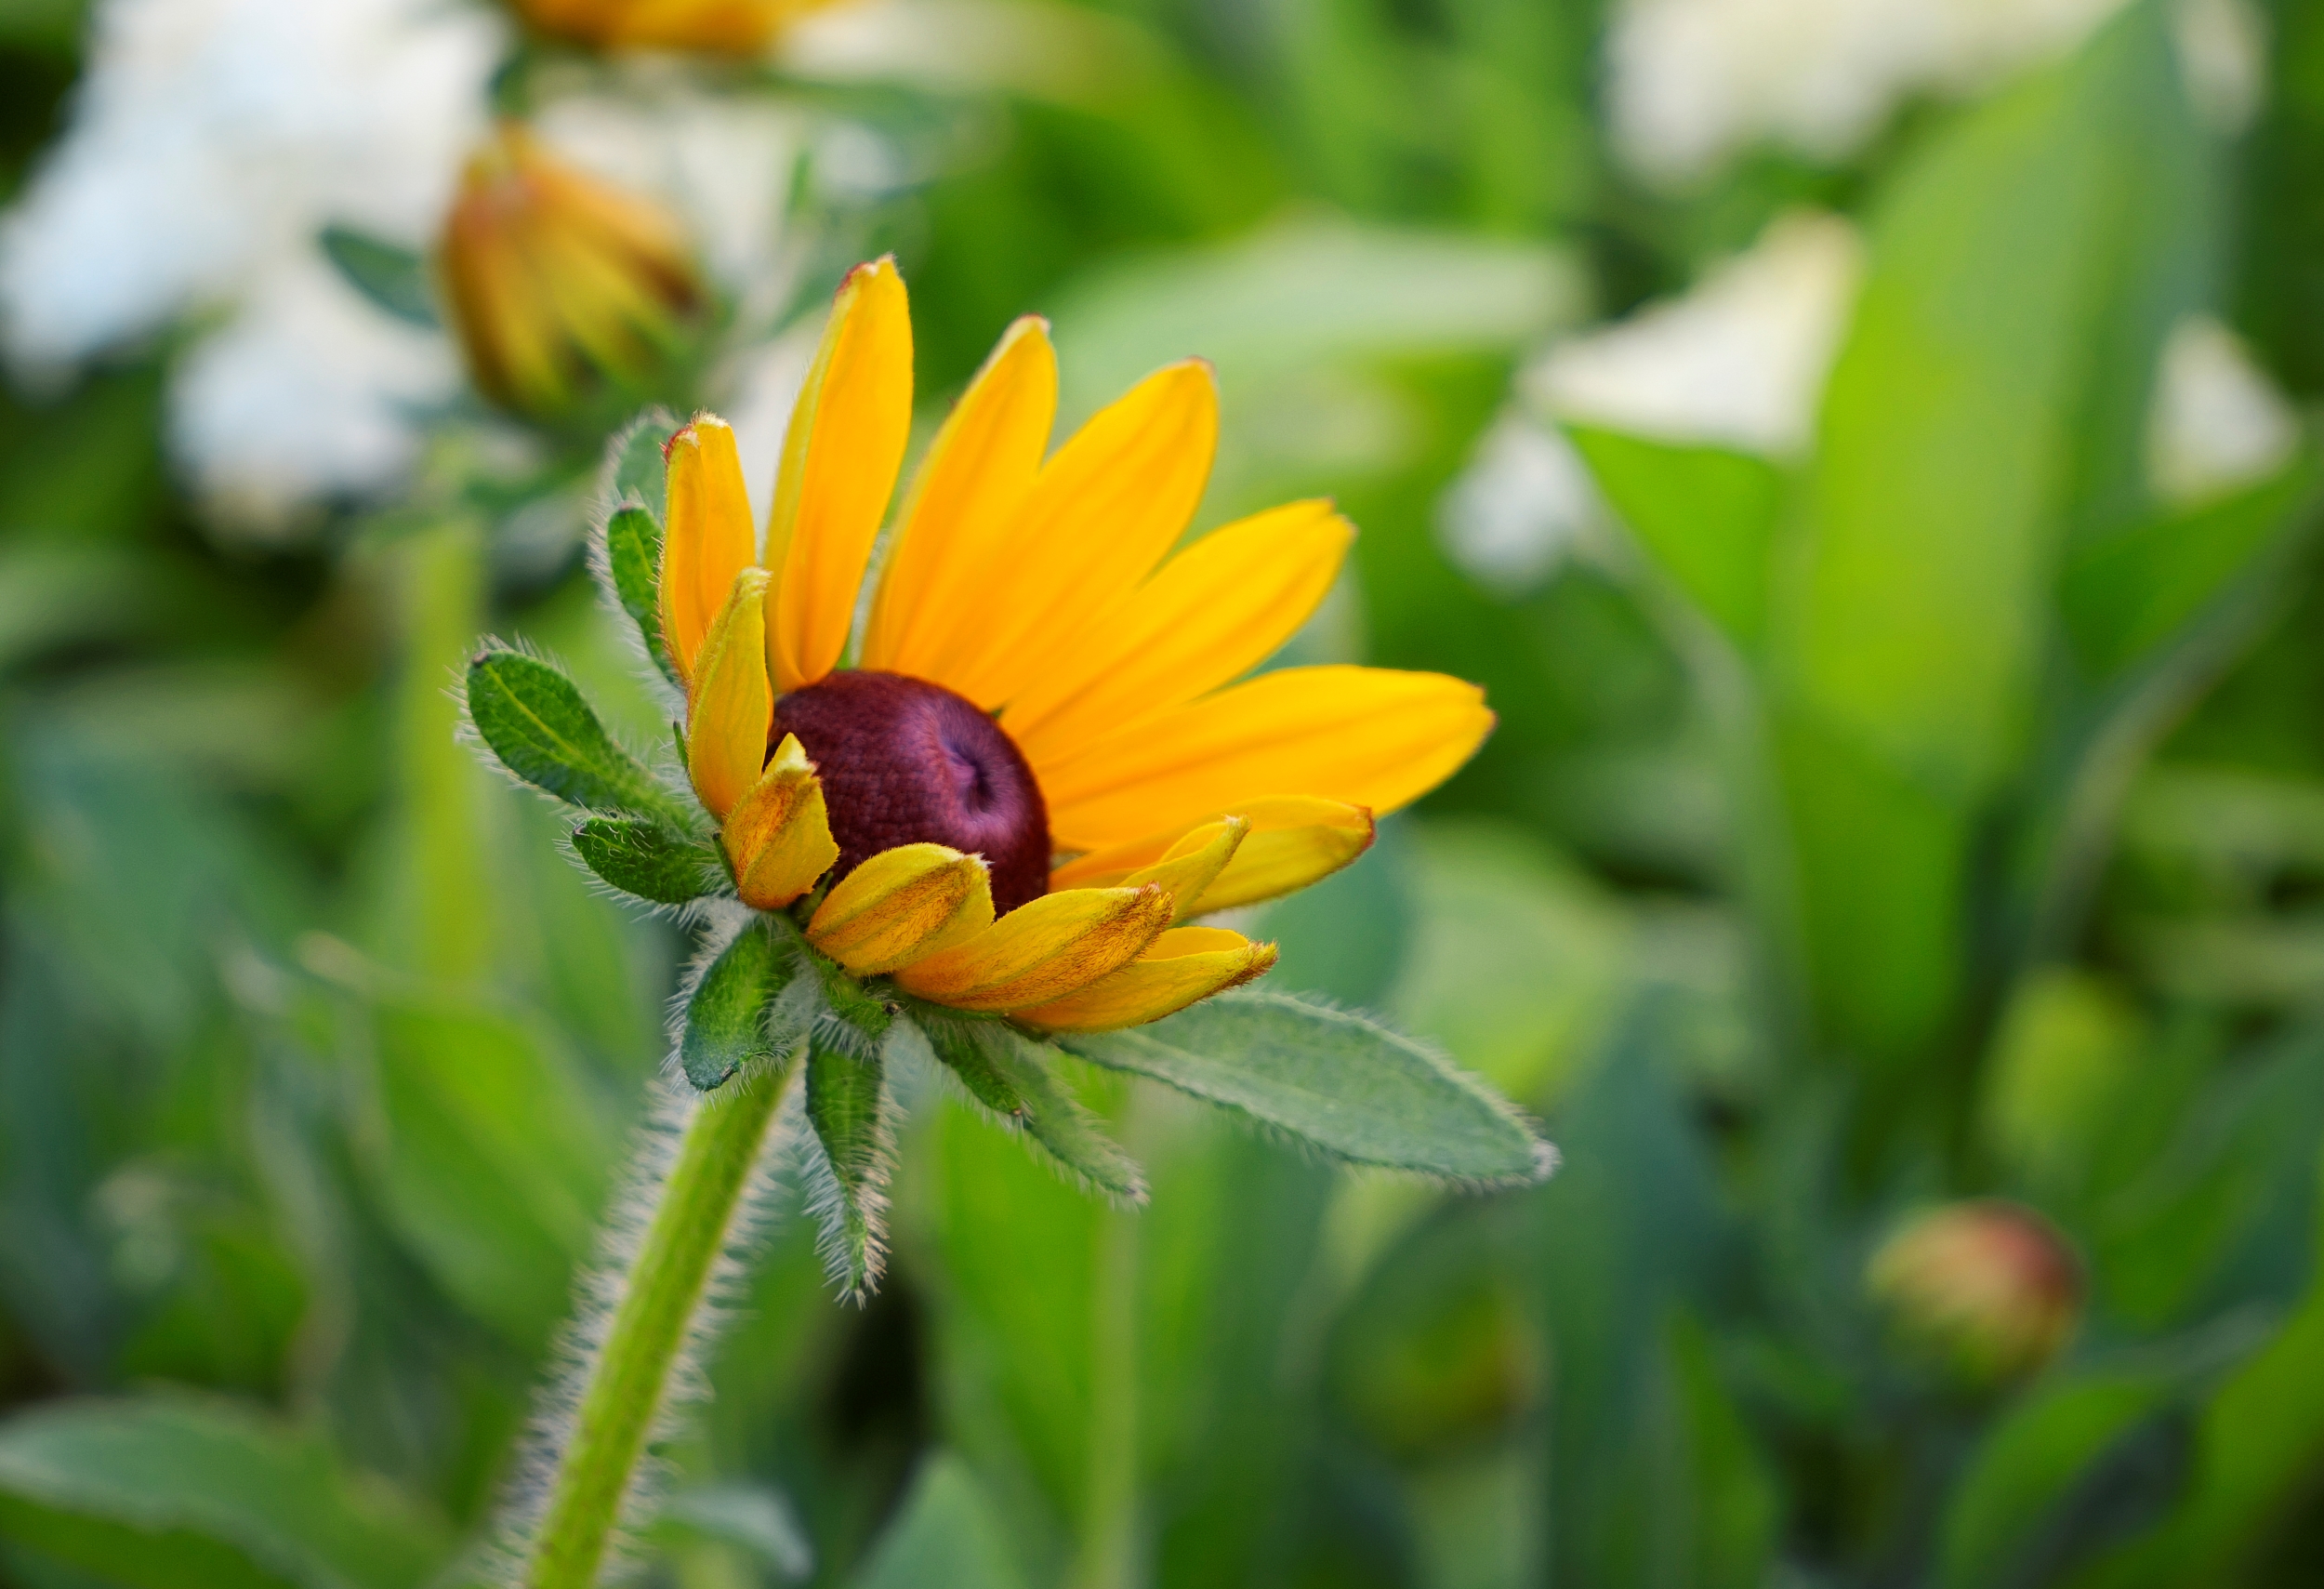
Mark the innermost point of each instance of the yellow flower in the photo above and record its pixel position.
(716, 27)
(554, 276)
(1040, 760)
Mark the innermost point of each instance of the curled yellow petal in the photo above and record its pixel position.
(778, 836)
(1189, 866)
(1293, 840)
(840, 462)
(707, 536)
(729, 707)
(1040, 952)
(900, 905)
(1181, 966)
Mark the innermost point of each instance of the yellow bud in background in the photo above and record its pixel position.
(715, 27)
(557, 279)
(1989, 1289)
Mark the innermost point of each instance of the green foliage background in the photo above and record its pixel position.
(1941, 815)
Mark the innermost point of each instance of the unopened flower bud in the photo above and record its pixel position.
(716, 27)
(556, 278)
(1988, 1289)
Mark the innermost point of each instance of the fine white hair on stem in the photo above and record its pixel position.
(600, 1288)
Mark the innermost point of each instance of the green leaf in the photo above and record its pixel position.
(750, 1517)
(536, 721)
(846, 1104)
(635, 471)
(2122, 596)
(494, 1162)
(633, 561)
(944, 1532)
(1335, 1081)
(169, 1493)
(2078, 1466)
(726, 1018)
(647, 859)
(393, 278)
(1704, 514)
(1012, 1075)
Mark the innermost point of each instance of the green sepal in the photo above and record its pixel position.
(727, 1016)
(1012, 1075)
(635, 471)
(644, 858)
(846, 1085)
(1335, 1081)
(536, 721)
(633, 562)
(393, 278)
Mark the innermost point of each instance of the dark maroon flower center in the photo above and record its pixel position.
(905, 762)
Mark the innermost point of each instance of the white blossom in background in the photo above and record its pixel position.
(2218, 422)
(1693, 82)
(1738, 362)
(211, 141)
(1522, 506)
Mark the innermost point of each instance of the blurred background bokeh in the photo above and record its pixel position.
(1866, 449)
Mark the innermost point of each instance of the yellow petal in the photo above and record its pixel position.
(1210, 615)
(1292, 841)
(962, 505)
(1040, 952)
(1189, 866)
(839, 461)
(778, 836)
(707, 535)
(1368, 736)
(729, 707)
(900, 905)
(1184, 964)
(1100, 517)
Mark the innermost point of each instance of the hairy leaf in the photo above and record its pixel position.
(726, 1019)
(846, 1080)
(634, 468)
(647, 859)
(1010, 1074)
(536, 721)
(1335, 1079)
(633, 558)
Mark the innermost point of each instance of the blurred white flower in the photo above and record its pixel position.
(1695, 81)
(1738, 362)
(211, 141)
(1524, 504)
(2217, 422)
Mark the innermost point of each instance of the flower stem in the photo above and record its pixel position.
(629, 1379)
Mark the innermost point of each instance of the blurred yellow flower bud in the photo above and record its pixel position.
(718, 27)
(1989, 1289)
(554, 276)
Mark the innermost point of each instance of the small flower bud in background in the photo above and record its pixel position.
(716, 27)
(1989, 1289)
(556, 278)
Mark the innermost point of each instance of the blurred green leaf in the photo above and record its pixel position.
(51, 594)
(493, 1161)
(1706, 515)
(943, 1533)
(537, 724)
(727, 1016)
(393, 278)
(1012, 1075)
(181, 1494)
(750, 1515)
(1334, 1080)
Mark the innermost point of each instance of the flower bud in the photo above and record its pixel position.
(1989, 1289)
(556, 278)
(716, 27)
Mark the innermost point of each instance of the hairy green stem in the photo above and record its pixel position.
(629, 1379)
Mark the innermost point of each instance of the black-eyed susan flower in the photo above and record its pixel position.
(556, 279)
(959, 823)
(715, 27)
(1038, 765)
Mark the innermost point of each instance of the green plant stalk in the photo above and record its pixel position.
(628, 1380)
(449, 935)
